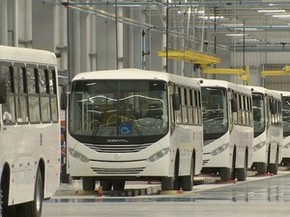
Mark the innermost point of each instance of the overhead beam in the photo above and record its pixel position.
(190, 56)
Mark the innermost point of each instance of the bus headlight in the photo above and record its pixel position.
(158, 155)
(286, 146)
(259, 146)
(78, 155)
(220, 149)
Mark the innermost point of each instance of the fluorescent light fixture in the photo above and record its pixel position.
(234, 25)
(199, 12)
(251, 40)
(247, 29)
(235, 34)
(211, 17)
(271, 11)
(281, 16)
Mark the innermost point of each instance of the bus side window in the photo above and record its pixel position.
(21, 94)
(33, 94)
(3, 95)
(53, 93)
(8, 109)
(44, 94)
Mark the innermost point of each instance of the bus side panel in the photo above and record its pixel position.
(29, 150)
(51, 155)
(23, 168)
(242, 138)
(261, 155)
(189, 139)
(275, 138)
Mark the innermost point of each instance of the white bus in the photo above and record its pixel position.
(286, 128)
(228, 129)
(268, 130)
(132, 124)
(29, 130)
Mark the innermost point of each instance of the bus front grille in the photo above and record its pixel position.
(118, 171)
(118, 148)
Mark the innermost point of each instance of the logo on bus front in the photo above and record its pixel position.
(117, 141)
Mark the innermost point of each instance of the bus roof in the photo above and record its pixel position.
(226, 84)
(285, 93)
(135, 74)
(257, 89)
(27, 55)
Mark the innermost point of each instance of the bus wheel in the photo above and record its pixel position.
(119, 185)
(89, 184)
(225, 174)
(242, 172)
(273, 167)
(106, 184)
(261, 168)
(34, 208)
(187, 181)
(167, 183)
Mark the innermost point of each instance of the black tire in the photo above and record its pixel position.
(119, 185)
(34, 208)
(261, 168)
(242, 172)
(186, 182)
(89, 184)
(106, 185)
(167, 183)
(234, 171)
(30, 209)
(225, 174)
(273, 168)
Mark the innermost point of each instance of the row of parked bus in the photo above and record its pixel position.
(132, 124)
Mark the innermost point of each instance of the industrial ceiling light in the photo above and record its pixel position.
(271, 11)
(251, 40)
(281, 16)
(235, 34)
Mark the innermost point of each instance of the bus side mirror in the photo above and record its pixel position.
(63, 101)
(234, 105)
(3, 91)
(175, 101)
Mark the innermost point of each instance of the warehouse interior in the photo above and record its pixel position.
(244, 42)
(97, 35)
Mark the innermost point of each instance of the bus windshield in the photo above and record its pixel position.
(215, 112)
(129, 110)
(258, 113)
(286, 115)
